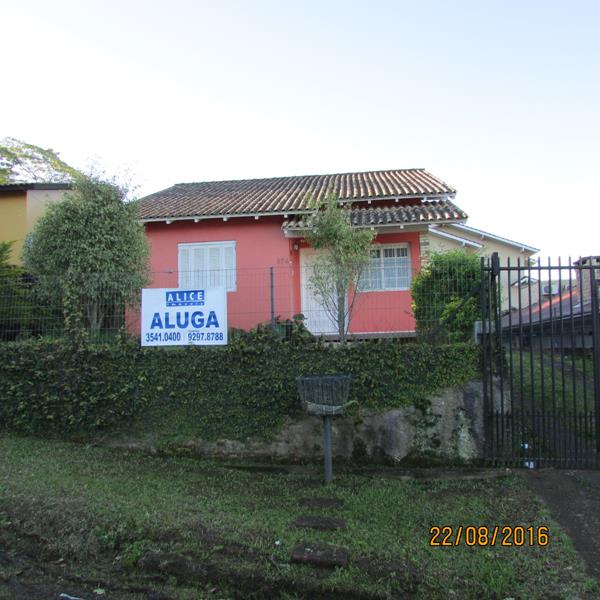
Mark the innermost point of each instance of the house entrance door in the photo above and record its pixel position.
(317, 318)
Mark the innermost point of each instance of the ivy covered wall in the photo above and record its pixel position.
(246, 389)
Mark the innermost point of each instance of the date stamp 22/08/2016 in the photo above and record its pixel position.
(484, 535)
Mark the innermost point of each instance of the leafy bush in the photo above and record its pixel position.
(246, 389)
(440, 287)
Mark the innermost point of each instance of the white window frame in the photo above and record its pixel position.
(383, 247)
(232, 287)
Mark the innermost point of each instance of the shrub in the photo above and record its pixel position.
(440, 287)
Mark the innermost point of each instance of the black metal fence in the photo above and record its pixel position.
(541, 362)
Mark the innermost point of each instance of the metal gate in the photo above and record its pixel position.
(540, 333)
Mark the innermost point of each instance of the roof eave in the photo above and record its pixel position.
(298, 232)
(462, 241)
(295, 211)
(484, 234)
(25, 187)
(227, 216)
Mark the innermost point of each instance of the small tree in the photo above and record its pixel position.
(89, 253)
(439, 289)
(336, 273)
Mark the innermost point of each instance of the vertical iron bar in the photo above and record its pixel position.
(575, 438)
(553, 413)
(543, 441)
(510, 363)
(595, 350)
(580, 282)
(500, 352)
(533, 428)
(494, 346)
(484, 340)
(563, 388)
(521, 365)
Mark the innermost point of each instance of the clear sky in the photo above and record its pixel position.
(499, 99)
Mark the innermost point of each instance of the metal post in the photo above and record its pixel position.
(272, 282)
(595, 348)
(327, 449)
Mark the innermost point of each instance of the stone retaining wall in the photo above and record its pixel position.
(451, 429)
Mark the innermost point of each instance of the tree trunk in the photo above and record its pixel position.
(341, 310)
(94, 313)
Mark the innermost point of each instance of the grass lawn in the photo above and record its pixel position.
(543, 386)
(84, 516)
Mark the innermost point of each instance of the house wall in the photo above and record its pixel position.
(377, 312)
(260, 245)
(37, 203)
(19, 212)
(13, 222)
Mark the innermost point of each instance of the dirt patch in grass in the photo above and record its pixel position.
(573, 498)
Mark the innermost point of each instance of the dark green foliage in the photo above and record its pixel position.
(246, 389)
(50, 386)
(440, 287)
(458, 316)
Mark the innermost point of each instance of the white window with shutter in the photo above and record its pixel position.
(207, 265)
(389, 268)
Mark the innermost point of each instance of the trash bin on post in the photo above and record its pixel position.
(324, 396)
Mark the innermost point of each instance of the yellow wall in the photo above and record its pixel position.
(13, 221)
(19, 212)
(37, 202)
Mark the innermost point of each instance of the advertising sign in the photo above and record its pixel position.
(181, 317)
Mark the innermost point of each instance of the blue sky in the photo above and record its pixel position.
(499, 99)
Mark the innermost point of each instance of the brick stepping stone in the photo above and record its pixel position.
(322, 523)
(320, 556)
(322, 503)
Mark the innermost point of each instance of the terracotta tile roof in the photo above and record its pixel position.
(434, 211)
(281, 195)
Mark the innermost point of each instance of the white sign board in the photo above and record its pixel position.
(181, 317)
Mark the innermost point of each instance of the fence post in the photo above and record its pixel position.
(595, 349)
(487, 412)
(272, 284)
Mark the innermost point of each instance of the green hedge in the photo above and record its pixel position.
(245, 389)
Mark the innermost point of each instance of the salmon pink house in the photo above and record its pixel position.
(248, 236)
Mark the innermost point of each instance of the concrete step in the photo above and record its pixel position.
(320, 556)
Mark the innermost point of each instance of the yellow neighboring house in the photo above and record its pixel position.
(21, 205)
(454, 236)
